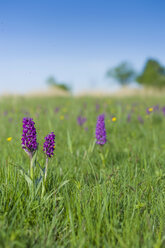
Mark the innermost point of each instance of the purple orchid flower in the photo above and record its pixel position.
(100, 130)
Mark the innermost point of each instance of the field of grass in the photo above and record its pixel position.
(111, 196)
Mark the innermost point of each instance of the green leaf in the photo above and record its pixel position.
(92, 146)
(26, 176)
(69, 142)
(42, 170)
(64, 183)
(38, 184)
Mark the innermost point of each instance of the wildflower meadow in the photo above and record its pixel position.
(82, 172)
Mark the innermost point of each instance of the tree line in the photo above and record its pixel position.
(153, 74)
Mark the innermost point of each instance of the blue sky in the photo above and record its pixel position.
(76, 40)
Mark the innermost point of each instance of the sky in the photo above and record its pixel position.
(76, 41)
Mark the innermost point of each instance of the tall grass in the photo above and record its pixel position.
(88, 204)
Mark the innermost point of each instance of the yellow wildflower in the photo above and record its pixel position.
(150, 109)
(9, 139)
(61, 117)
(114, 119)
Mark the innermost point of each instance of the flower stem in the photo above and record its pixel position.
(43, 189)
(44, 179)
(102, 156)
(46, 169)
(31, 168)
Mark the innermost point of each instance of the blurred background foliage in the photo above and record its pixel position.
(51, 81)
(123, 73)
(152, 75)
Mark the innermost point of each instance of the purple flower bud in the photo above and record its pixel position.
(81, 120)
(56, 110)
(97, 107)
(100, 130)
(29, 139)
(49, 145)
(140, 119)
(163, 110)
(129, 117)
(156, 107)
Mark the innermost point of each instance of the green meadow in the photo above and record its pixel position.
(110, 196)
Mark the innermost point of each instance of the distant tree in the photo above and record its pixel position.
(51, 81)
(153, 74)
(123, 73)
(64, 86)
